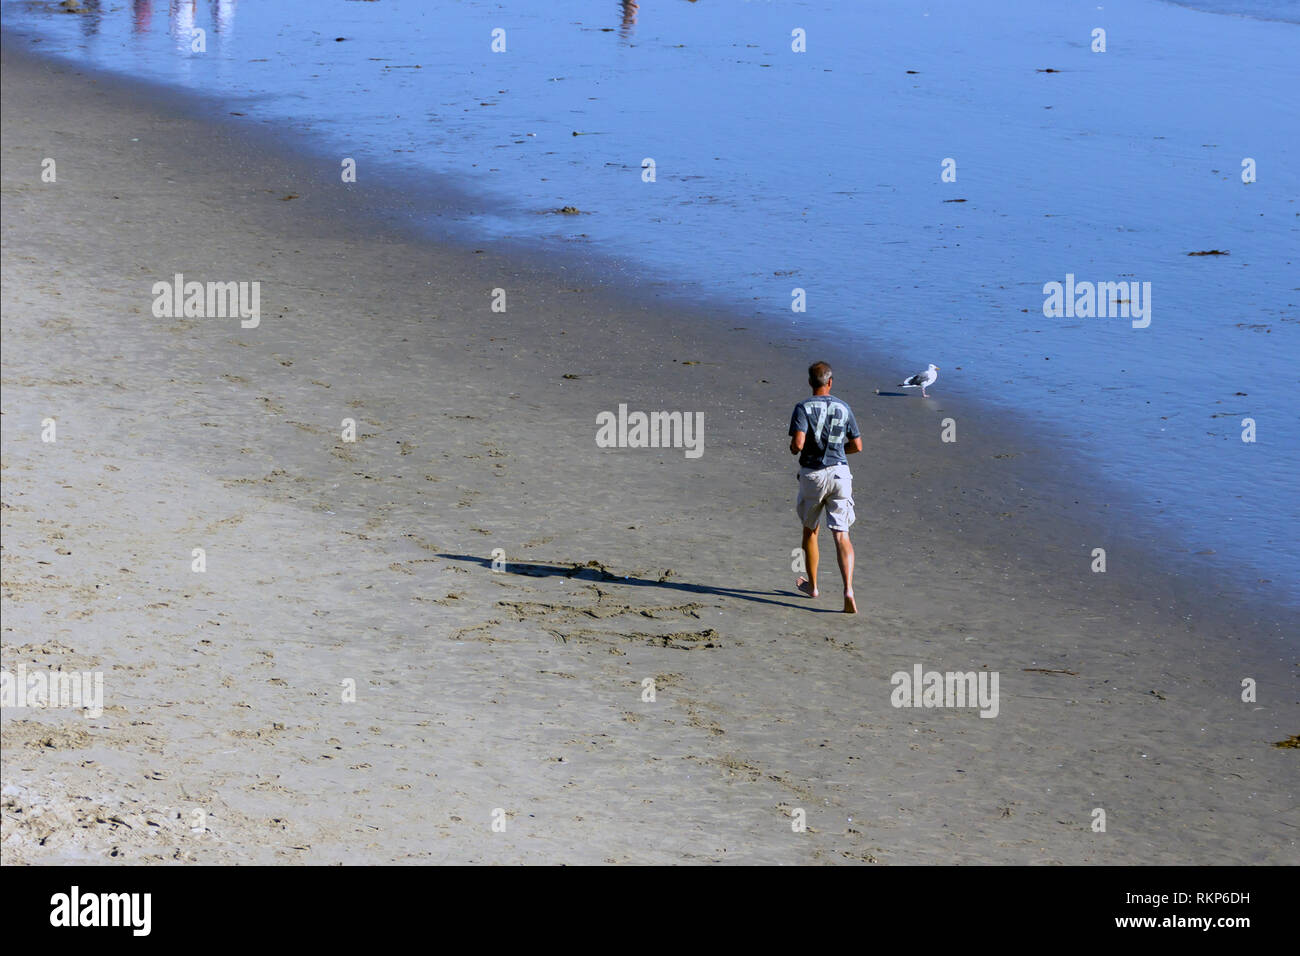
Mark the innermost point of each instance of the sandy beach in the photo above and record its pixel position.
(349, 680)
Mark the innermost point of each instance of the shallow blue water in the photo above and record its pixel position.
(821, 170)
(1286, 10)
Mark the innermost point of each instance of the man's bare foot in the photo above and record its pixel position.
(850, 605)
(804, 585)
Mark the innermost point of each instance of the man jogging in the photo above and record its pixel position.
(822, 431)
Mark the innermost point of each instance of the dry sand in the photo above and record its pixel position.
(330, 562)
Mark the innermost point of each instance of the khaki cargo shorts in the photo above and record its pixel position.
(826, 489)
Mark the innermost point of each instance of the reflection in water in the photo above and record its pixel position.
(223, 15)
(141, 15)
(629, 17)
(182, 18)
(182, 24)
(89, 17)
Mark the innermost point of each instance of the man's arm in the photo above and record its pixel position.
(798, 428)
(854, 443)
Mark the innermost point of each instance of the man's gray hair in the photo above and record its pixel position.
(819, 373)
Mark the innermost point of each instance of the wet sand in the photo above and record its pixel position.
(333, 565)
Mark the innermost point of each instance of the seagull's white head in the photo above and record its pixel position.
(933, 367)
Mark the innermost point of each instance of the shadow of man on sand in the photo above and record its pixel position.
(595, 571)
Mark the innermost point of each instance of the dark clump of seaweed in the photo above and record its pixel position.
(1291, 743)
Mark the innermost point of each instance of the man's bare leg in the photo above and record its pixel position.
(844, 553)
(810, 558)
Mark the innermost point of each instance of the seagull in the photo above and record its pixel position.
(922, 380)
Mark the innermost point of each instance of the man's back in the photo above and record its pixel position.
(827, 422)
